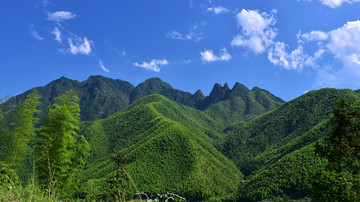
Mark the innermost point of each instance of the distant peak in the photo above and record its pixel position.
(219, 92)
(239, 86)
(63, 78)
(226, 87)
(155, 82)
(199, 93)
(216, 85)
(153, 79)
(239, 90)
(255, 88)
(96, 77)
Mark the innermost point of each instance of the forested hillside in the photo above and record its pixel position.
(168, 147)
(234, 144)
(276, 150)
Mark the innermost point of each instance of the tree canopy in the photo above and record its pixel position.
(340, 180)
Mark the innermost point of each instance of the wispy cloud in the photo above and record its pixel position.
(35, 34)
(191, 4)
(314, 36)
(153, 65)
(103, 67)
(187, 61)
(208, 56)
(60, 16)
(258, 31)
(335, 3)
(80, 45)
(193, 34)
(294, 60)
(218, 10)
(57, 34)
(343, 44)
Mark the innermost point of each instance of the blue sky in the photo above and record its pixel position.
(287, 47)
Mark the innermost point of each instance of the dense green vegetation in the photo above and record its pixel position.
(193, 145)
(340, 180)
(168, 147)
(279, 145)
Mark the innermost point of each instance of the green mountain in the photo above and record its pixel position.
(276, 149)
(168, 146)
(239, 104)
(101, 97)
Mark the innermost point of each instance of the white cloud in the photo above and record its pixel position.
(343, 45)
(103, 67)
(153, 65)
(344, 42)
(315, 36)
(57, 34)
(218, 10)
(192, 35)
(258, 30)
(335, 3)
(60, 16)
(80, 45)
(35, 34)
(294, 60)
(208, 56)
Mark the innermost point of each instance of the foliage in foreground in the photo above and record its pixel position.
(60, 152)
(340, 180)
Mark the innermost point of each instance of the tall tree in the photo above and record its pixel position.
(3, 125)
(340, 180)
(23, 130)
(60, 150)
(119, 183)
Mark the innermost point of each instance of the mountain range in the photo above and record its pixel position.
(101, 97)
(234, 144)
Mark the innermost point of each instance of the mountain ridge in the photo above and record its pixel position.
(101, 97)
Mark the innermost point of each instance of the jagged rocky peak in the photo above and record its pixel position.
(226, 87)
(219, 91)
(239, 90)
(199, 94)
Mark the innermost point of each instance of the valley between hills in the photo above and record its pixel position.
(235, 144)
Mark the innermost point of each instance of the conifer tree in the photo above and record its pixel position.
(340, 180)
(60, 150)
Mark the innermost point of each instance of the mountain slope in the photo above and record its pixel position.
(168, 149)
(274, 147)
(272, 131)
